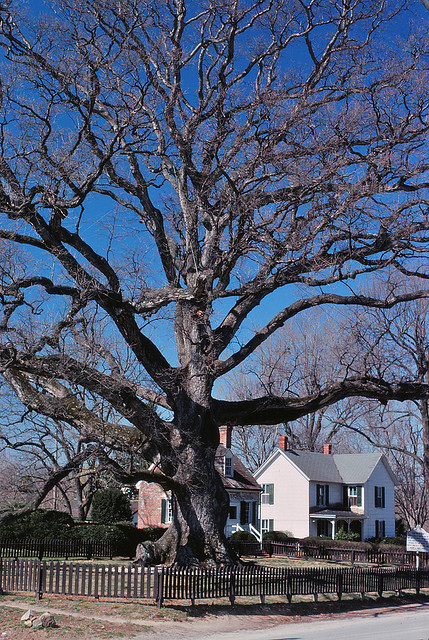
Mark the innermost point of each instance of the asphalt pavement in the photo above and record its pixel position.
(401, 625)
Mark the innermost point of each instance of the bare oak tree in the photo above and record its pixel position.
(188, 159)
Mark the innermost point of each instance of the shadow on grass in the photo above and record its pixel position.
(301, 609)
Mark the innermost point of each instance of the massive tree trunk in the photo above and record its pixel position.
(200, 508)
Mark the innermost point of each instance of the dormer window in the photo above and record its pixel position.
(228, 466)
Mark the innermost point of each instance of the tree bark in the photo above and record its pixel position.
(200, 510)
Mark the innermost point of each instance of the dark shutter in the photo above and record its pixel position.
(163, 511)
(382, 498)
(270, 488)
(242, 512)
(327, 494)
(345, 496)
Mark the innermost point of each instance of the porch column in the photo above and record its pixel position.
(333, 529)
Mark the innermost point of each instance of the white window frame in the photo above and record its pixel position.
(228, 467)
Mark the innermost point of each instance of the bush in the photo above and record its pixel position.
(397, 541)
(110, 506)
(39, 524)
(123, 535)
(278, 536)
(243, 536)
(321, 541)
(348, 536)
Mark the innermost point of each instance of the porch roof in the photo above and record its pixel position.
(333, 514)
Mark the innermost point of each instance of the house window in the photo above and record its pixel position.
(322, 495)
(228, 467)
(380, 528)
(354, 496)
(267, 494)
(233, 513)
(379, 497)
(166, 511)
(267, 525)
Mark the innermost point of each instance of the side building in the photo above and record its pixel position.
(315, 494)
(155, 504)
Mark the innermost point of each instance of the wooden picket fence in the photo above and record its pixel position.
(324, 552)
(57, 548)
(160, 583)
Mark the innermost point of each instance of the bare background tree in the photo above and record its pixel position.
(299, 360)
(395, 344)
(187, 160)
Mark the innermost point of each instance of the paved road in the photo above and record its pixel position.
(410, 625)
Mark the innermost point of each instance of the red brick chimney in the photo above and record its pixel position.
(225, 436)
(283, 443)
(327, 449)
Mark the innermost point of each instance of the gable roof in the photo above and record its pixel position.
(316, 466)
(356, 468)
(344, 468)
(242, 478)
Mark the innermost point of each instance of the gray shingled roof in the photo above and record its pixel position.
(356, 468)
(346, 468)
(242, 478)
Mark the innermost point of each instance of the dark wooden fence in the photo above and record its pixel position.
(339, 554)
(48, 548)
(160, 583)
(56, 548)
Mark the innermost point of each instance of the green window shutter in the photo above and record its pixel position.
(345, 496)
(270, 525)
(163, 511)
(358, 496)
(270, 488)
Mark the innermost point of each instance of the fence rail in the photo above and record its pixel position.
(160, 583)
(322, 552)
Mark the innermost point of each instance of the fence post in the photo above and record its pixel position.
(39, 580)
(289, 589)
(339, 585)
(159, 586)
(232, 587)
(380, 585)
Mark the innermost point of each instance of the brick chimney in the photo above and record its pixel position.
(327, 449)
(225, 436)
(283, 443)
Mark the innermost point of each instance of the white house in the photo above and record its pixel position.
(155, 508)
(310, 494)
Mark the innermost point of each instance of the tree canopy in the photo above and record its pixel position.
(171, 172)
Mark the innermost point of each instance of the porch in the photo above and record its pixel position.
(329, 521)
